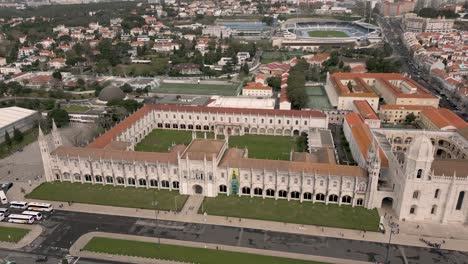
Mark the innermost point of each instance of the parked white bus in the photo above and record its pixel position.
(37, 215)
(21, 219)
(3, 197)
(42, 207)
(18, 205)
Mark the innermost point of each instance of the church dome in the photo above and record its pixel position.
(421, 148)
(111, 93)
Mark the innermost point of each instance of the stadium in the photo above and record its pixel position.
(322, 32)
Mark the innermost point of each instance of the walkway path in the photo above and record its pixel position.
(35, 231)
(409, 233)
(76, 250)
(192, 205)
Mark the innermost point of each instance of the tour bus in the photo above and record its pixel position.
(19, 205)
(42, 207)
(21, 219)
(3, 197)
(37, 215)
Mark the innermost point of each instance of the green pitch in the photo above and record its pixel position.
(327, 34)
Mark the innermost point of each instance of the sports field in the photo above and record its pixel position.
(317, 98)
(327, 34)
(195, 88)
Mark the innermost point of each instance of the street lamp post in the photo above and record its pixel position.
(393, 229)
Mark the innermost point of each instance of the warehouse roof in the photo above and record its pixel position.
(10, 115)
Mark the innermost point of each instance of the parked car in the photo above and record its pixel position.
(6, 186)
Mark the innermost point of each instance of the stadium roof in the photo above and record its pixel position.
(10, 115)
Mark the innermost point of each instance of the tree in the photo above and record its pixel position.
(7, 139)
(245, 68)
(274, 82)
(57, 75)
(60, 117)
(17, 135)
(410, 118)
(126, 88)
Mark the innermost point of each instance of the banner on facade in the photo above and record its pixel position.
(234, 181)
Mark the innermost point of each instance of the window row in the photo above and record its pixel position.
(233, 119)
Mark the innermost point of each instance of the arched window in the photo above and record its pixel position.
(436, 194)
(360, 201)
(223, 188)
(154, 183)
(320, 197)
(98, 178)
(460, 200)
(419, 174)
(283, 194)
(88, 178)
(295, 195)
(434, 209)
(258, 191)
(109, 179)
(307, 196)
(120, 180)
(131, 181)
(270, 193)
(415, 194)
(413, 210)
(142, 182)
(333, 198)
(346, 199)
(175, 185)
(165, 184)
(245, 190)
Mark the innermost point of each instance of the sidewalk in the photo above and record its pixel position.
(35, 231)
(409, 235)
(76, 250)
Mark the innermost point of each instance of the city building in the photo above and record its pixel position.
(14, 117)
(392, 9)
(396, 114)
(257, 89)
(441, 119)
(414, 23)
(344, 88)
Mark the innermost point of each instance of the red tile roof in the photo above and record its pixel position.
(443, 118)
(365, 110)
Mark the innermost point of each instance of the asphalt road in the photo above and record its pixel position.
(62, 228)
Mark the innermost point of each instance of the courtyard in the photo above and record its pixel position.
(161, 140)
(281, 210)
(317, 98)
(259, 146)
(269, 147)
(109, 195)
(181, 253)
(327, 34)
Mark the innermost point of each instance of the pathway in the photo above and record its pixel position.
(192, 205)
(76, 250)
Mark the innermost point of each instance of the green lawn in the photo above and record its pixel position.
(12, 234)
(293, 212)
(76, 108)
(194, 88)
(160, 140)
(267, 147)
(327, 34)
(317, 98)
(109, 195)
(181, 253)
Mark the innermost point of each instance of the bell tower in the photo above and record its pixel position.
(57, 139)
(373, 170)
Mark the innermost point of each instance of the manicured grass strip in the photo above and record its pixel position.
(308, 213)
(161, 140)
(327, 34)
(181, 253)
(12, 234)
(109, 195)
(266, 147)
(76, 109)
(195, 88)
